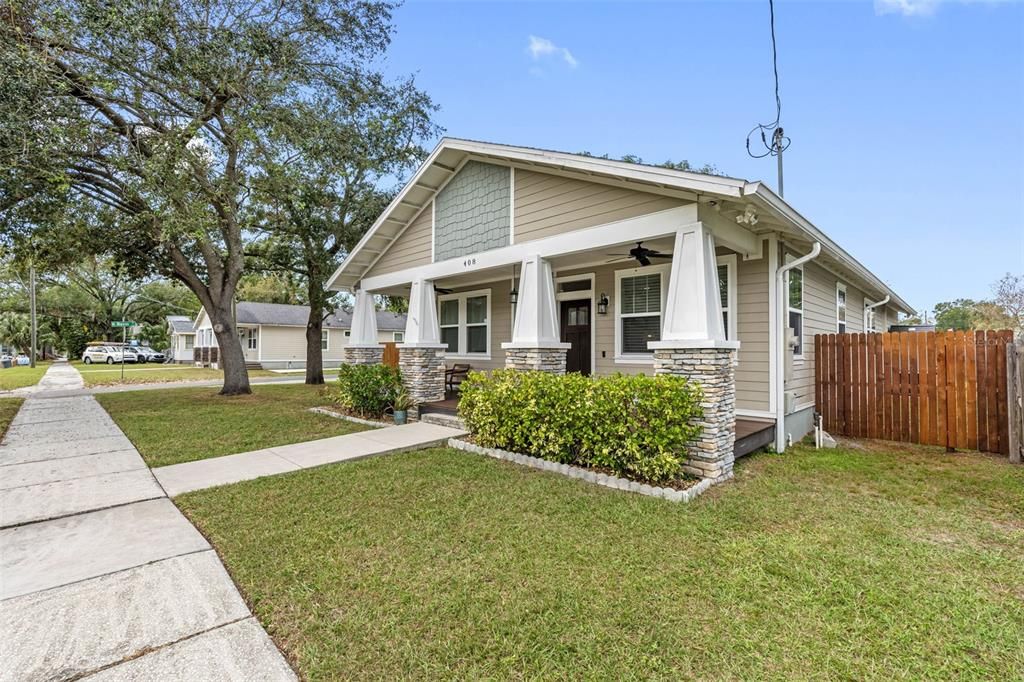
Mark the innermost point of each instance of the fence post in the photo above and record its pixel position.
(1014, 398)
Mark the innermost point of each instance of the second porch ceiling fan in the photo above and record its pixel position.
(641, 253)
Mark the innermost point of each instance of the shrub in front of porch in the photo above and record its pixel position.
(637, 426)
(367, 390)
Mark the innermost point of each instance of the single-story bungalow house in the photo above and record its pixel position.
(528, 258)
(182, 338)
(273, 335)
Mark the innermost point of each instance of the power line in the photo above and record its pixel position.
(773, 139)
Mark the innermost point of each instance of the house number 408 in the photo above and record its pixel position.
(469, 262)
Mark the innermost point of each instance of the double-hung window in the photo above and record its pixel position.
(639, 308)
(325, 339)
(253, 339)
(840, 308)
(796, 308)
(190, 341)
(465, 322)
(398, 337)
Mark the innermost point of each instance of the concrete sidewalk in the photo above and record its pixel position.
(100, 575)
(71, 391)
(206, 473)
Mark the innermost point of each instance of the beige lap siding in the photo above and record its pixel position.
(284, 344)
(547, 205)
(411, 249)
(820, 318)
(753, 387)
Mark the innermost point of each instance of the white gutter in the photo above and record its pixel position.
(871, 306)
(781, 348)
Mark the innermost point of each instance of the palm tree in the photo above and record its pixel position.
(15, 330)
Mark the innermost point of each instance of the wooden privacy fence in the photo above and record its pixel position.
(934, 388)
(390, 354)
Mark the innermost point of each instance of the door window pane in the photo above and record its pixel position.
(584, 316)
(572, 317)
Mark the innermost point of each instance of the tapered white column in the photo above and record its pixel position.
(693, 309)
(535, 336)
(693, 345)
(421, 357)
(421, 325)
(364, 321)
(362, 347)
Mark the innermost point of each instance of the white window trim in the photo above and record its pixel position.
(840, 287)
(637, 358)
(729, 261)
(395, 335)
(463, 325)
(325, 335)
(790, 309)
(251, 339)
(581, 295)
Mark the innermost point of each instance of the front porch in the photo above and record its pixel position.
(750, 434)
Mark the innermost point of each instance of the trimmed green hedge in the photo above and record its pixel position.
(368, 390)
(638, 426)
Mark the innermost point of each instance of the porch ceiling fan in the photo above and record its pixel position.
(641, 253)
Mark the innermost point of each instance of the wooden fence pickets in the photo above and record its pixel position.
(934, 388)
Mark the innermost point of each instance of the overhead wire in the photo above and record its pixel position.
(779, 142)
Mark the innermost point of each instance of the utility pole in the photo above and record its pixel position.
(777, 137)
(32, 308)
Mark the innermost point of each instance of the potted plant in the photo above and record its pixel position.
(400, 407)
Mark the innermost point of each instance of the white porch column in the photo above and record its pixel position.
(362, 347)
(421, 357)
(693, 345)
(535, 341)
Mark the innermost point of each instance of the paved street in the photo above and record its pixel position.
(101, 577)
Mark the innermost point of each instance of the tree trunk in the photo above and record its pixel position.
(314, 352)
(232, 358)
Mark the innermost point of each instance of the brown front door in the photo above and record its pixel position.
(576, 319)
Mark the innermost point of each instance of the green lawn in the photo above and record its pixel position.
(846, 564)
(109, 375)
(175, 425)
(19, 377)
(8, 408)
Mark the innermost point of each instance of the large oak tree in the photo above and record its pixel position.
(161, 111)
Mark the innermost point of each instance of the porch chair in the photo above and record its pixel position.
(454, 375)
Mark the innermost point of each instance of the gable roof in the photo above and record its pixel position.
(731, 194)
(285, 315)
(180, 324)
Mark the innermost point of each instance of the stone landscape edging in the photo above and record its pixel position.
(339, 415)
(586, 475)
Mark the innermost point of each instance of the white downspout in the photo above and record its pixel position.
(872, 306)
(781, 347)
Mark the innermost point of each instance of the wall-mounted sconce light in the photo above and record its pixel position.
(602, 305)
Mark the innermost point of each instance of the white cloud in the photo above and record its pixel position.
(540, 48)
(908, 8)
(923, 8)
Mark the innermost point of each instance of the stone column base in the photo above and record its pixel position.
(422, 373)
(537, 359)
(363, 355)
(711, 453)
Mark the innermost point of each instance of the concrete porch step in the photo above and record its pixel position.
(440, 419)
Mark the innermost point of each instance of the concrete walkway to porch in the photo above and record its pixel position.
(101, 577)
(206, 473)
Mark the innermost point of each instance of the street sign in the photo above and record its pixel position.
(123, 323)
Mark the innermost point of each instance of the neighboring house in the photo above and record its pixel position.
(182, 338)
(273, 335)
(510, 254)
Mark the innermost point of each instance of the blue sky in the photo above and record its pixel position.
(906, 116)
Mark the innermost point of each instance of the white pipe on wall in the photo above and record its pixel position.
(781, 292)
(868, 308)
